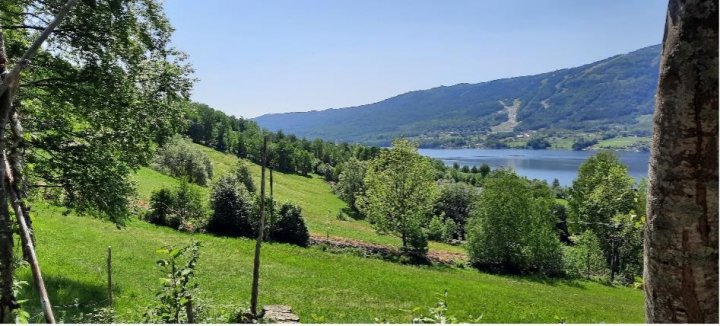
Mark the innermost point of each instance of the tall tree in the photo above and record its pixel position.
(104, 88)
(602, 190)
(681, 238)
(399, 193)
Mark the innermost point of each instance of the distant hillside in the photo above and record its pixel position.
(614, 93)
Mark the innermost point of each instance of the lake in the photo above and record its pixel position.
(537, 164)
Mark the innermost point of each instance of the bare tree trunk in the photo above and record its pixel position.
(261, 228)
(681, 239)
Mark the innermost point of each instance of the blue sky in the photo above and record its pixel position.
(257, 57)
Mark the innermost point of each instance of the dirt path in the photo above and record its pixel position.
(435, 256)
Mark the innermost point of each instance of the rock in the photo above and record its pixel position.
(281, 314)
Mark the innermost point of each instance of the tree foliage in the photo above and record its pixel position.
(102, 90)
(351, 184)
(178, 159)
(180, 208)
(602, 190)
(233, 209)
(585, 258)
(290, 226)
(399, 194)
(455, 202)
(512, 227)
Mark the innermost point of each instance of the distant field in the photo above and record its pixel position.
(320, 286)
(622, 142)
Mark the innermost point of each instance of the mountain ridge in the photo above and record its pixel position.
(613, 92)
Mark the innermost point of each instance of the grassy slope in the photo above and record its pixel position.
(340, 288)
(320, 206)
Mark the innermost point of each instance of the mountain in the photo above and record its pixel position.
(616, 93)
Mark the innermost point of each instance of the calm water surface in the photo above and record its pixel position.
(536, 164)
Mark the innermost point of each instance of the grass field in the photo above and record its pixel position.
(320, 286)
(320, 206)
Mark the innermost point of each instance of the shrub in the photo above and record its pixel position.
(289, 226)
(233, 208)
(178, 286)
(585, 258)
(177, 158)
(436, 229)
(180, 208)
(449, 230)
(512, 227)
(242, 174)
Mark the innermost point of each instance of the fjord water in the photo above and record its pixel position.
(537, 164)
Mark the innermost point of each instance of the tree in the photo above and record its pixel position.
(585, 258)
(233, 208)
(100, 92)
(602, 190)
(242, 175)
(455, 202)
(538, 143)
(290, 226)
(400, 192)
(177, 158)
(484, 170)
(350, 185)
(512, 227)
(681, 238)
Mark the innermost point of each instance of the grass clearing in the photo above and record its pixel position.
(339, 288)
(319, 205)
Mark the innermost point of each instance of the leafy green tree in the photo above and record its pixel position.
(242, 174)
(436, 229)
(103, 88)
(400, 192)
(290, 227)
(602, 190)
(177, 158)
(455, 202)
(484, 170)
(538, 143)
(233, 208)
(512, 227)
(180, 208)
(585, 258)
(351, 184)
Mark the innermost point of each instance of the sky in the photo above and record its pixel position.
(271, 56)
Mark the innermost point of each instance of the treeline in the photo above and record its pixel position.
(287, 153)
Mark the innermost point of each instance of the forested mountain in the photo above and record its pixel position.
(609, 94)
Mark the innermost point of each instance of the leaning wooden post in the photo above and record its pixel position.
(29, 248)
(109, 275)
(261, 227)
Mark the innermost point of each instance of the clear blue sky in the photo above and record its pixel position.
(256, 57)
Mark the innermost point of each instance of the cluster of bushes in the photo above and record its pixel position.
(234, 211)
(178, 159)
(583, 143)
(179, 208)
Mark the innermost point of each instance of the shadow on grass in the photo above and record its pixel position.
(352, 214)
(70, 298)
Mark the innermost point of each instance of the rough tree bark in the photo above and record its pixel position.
(681, 239)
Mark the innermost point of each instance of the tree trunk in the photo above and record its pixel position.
(7, 299)
(681, 239)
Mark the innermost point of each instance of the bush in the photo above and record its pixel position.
(233, 208)
(512, 227)
(585, 258)
(436, 229)
(289, 227)
(180, 208)
(242, 174)
(177, 158)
